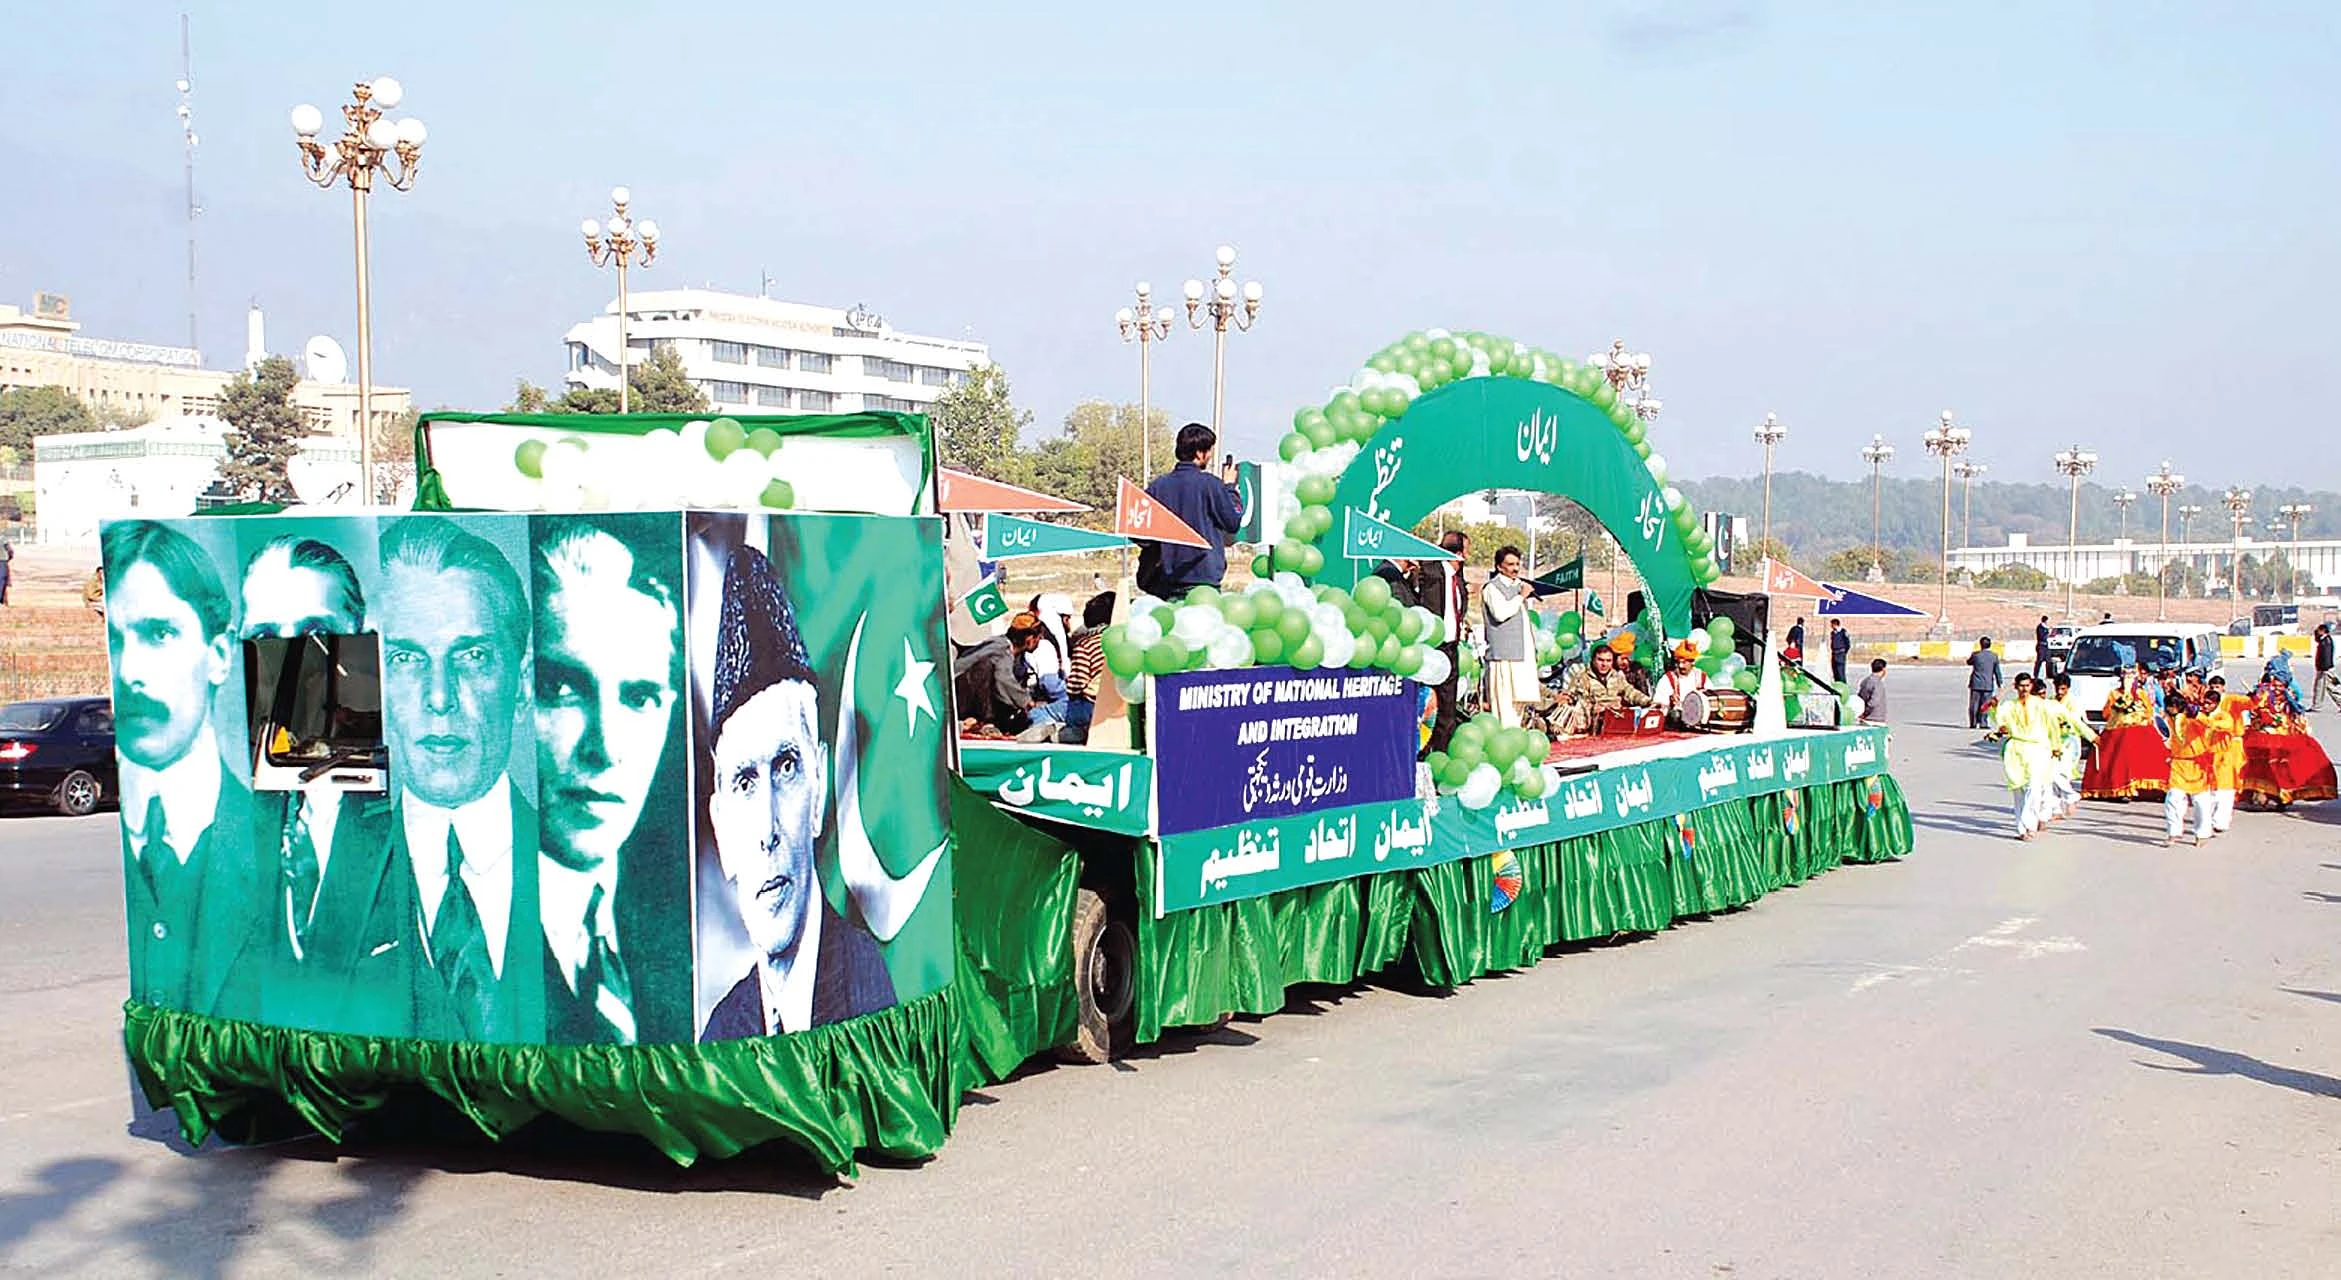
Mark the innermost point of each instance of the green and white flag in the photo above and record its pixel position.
(1593, 604)
(1007, 537)
(985, 602)
(1365, 538)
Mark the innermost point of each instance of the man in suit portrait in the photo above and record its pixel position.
(609, 671)
(454, 629)
(195, 890)
(768, 799)
(331, 849)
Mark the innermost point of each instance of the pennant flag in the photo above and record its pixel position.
(1849, 603)
(1365, 538)
(1593, 604)
(1781, 580)
(985, 602)
(1007, 537)
(1138, 515)
(964, 492)
(1569, 577)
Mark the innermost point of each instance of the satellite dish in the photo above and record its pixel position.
(322, 360)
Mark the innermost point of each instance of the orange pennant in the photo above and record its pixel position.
(1138, 515)
(961, 491)
(1781, 580)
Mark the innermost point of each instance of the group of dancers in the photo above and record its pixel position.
(2178, 735)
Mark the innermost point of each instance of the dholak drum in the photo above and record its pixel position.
(1627, 722)
(1718, 710)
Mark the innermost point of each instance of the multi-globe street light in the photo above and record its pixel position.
(1946, 440)
(2293, 513)
(2073, 464)
(1224, 309)
(2163, 484)
(1967, 470)
(371, 145)
(1145, 324)
(2122, 498)
(1877, 453)
(2186, 535)
(2238, 502)
(615, 245)
(1769, 433)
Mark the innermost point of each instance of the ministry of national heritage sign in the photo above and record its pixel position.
(1269, 743)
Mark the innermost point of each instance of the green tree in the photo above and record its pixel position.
(1850, 565)
(659, 385)
(978, 427)
(2014, 577)
(26, 412)
(265, 431)
(528, 397)
(394, 451)
(116, 417)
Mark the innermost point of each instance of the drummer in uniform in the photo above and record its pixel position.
(1682, 677)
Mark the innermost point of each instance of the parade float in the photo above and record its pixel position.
(619, 782)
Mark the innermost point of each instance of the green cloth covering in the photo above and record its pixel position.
(1239, 957)
(887, 1082)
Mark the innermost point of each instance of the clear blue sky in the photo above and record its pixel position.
(2106, 223)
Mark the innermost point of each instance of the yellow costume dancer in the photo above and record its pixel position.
(2028, 727)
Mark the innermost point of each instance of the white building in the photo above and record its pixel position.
(758, 355)
(160, 469)
(2090, 561)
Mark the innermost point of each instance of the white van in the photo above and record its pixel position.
(2098, 653)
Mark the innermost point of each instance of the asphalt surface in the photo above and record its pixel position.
(2083, 1056)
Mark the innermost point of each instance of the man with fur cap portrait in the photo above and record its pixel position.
(768, 801)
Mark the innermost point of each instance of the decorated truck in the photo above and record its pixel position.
(620, 781)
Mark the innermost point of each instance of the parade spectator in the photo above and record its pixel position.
(7, 554)
(1796, 641)
(1983, 681)
(995, 686)
(1209, 506)
(2041, 666)
(1088, 668)
(2323, 682)
(1840, 650)
(1873, 693)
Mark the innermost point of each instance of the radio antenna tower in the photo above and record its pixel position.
(187, 129)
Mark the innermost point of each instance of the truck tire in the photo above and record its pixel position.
(78, 795)
(1105, 978)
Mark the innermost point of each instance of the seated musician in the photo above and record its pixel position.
(1592, 690)
(1682, 676)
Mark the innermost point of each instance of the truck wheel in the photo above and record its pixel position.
(77, 796)
(1105, 976)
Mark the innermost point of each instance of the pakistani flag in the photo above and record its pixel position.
(985, 602)
(1593, 604)
(874, 629)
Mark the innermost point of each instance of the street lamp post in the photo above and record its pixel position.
(1877, 453)
(1224, 309)
(2163, 484)
(2186, 527)
(2122, 498)
(1946, 441)
(1628, 375)
(2239, 511)
(370, 145)
(2073, 464)
(2293, 513)
(615, 245)
(1967, 470)
(1146, 324)
(1769, 433)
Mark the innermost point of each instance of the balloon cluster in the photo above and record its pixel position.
(1276, 621)
(1722, 665)
(1487, 757)
(1326, 438)
(713, 463)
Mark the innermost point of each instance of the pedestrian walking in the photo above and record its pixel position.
(2071, 732)
(1840, 650)
(2040, 662)
(2026, 730)
(1983, 682)
(2323, 682)
(1873, 693)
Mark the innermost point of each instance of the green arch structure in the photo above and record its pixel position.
(1507, 432)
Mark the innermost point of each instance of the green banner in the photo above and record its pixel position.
(1225, 864)
(1080, 786)
(1365, 538)
(1512, 433)
(1569, 577)
(1007, 537)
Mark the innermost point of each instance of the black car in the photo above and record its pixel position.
(57, 752)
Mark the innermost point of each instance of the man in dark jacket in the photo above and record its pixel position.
(2322, 682)
(992, 681)
(1439, 587)
(1208, 506)
(1983, 682)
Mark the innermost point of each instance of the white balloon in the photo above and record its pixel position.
(1340, 646)
(744, 473)
(1143, 603)
(1700, 640)
(1434, 668)
(1229, 648)
(1325, 617)
(1194, 625)
(1133, 688)
(1674, 498)
(1405, 384)
(1657, 465)
(1145, 632)
(1552, 779)
(1479, 363)
(1479, 790)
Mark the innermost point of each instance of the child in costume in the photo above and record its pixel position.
(2071, 731)
(2027, 730)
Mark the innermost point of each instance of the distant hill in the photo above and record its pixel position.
(1815, 516)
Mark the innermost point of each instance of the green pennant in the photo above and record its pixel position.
(1365, 538)
(1593, 604)
(985, 602)
(1007, 537)
(1568, 577)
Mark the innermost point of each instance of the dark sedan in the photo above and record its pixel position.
(57, 752)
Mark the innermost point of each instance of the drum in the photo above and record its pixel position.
(1718, 710)
(1628, 722)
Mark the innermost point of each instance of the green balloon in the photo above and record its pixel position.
(1747, 680)
(779, 495)
(1539, 746)
(1373, 592)
(1409, 660)
(1124, 658)
(724, 438)
(1307, 654)
(1443, 348)
(1312, 562)
(1436, 762)
(1502, 750)
(530, 459)
(1292, 446)
(1267, 646)
(1165, 656)
(1239, 611)
(1288, 555)
(1262, 566)
(764, 440)
(1267, 607)
(1305, 415)
(1457, 772)
(1531, 786)
(1165, 616)
(1293, 626)
(1314, 491)
(1408, 628)
(1388, 655)
(1320, 434)
(1573, 621)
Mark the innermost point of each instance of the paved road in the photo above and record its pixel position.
(2083, 1056)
